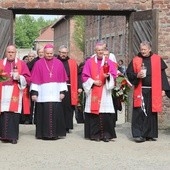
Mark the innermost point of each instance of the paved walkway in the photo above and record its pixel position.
(76, 153)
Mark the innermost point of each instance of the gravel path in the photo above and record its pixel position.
(76, 153)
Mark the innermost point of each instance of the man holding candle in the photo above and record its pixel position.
(98, 85)
(150, 84)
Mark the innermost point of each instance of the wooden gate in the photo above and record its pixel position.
(6, 30)
(143, 26)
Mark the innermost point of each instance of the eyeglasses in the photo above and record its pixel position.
(63, 52)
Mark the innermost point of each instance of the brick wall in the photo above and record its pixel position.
(79, 4)
(113, 29)
(63, 35)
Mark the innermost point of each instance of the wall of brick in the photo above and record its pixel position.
(164, 50)
(63, 35)
(78, 4)
(112, 30)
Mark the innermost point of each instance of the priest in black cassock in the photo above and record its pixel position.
(73, 84)
(31, 118)
(148, 92)
(48, 85)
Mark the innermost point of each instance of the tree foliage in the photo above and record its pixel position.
(27, 29)
(79, 32)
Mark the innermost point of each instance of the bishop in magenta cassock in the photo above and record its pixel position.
(48, 85)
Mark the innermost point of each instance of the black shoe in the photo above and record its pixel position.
(105, 139)
(140, 139)
(67, 131)
(150, 139)
(96, 139)
(14, 141)
(5, 140)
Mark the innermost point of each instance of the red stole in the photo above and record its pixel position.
(73, 81)
(156, 83)
(26, 101)
(15, 94)
(96, 74)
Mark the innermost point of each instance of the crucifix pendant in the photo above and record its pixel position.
(51, 75)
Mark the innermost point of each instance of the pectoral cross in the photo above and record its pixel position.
(51, 75)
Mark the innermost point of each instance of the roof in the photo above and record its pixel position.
(62, 18)
(46, 34)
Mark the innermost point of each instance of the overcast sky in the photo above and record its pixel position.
(46, 17)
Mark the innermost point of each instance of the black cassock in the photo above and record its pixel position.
(50, 120)
(142, 125)
(66, 102)
(9, 125)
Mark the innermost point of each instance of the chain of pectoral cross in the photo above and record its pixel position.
(50, 71)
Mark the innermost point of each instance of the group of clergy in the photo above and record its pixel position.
(54, 84)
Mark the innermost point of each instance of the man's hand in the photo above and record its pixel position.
(106, 75)
(97, 82)
(34, 98)
(62, 96)
(163, 93)
(80, 90)
(141, 75)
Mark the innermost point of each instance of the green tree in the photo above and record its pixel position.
(28, 29)
(79, 33)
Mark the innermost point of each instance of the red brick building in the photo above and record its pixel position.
(63, 35)
(46, 36)
(112, 29)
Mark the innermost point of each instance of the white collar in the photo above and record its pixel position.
(103, 59)
(5, 60)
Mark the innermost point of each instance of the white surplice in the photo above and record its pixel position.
(49, 92)
(7, 91)
(106, 105)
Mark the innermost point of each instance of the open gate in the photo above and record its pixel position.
(6, 30)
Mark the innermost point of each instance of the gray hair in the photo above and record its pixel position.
(31, 53)
(39, 48)
(146, 43)
(63, 46)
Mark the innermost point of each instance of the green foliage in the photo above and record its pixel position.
(4, 76)
(122, 88)
(79, 32)
(28, 29)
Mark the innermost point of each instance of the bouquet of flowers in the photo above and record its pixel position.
(81, 101)
(122, 88)
(4, 76)
(79, 109)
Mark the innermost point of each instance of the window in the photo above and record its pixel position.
(120, 50)
(108, 43)
(112, 44)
